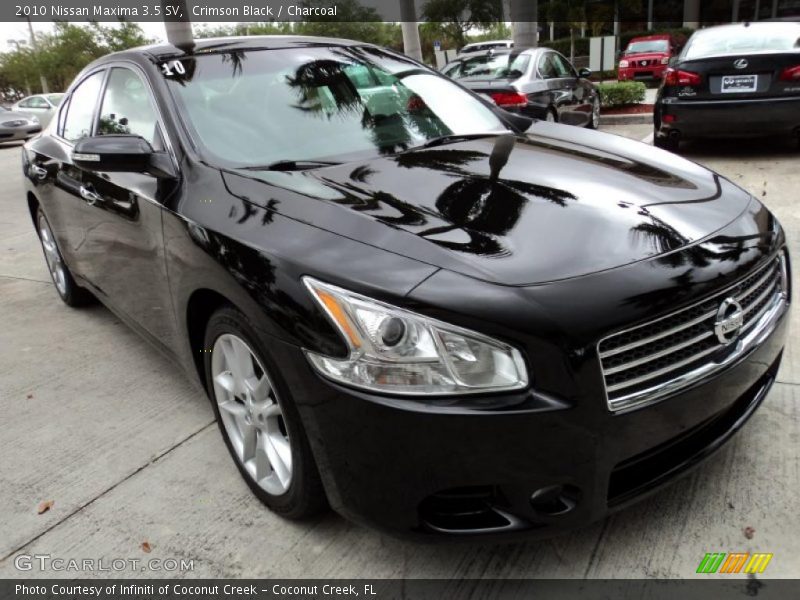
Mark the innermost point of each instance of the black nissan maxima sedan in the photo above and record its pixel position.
(439, 318)
(738, 80)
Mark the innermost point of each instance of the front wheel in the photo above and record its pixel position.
(258, 419)
(669, 143)
(594, 120)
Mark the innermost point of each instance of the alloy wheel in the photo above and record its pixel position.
(251, 414)
(55, 264)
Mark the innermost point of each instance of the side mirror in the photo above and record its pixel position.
(120, 153)
(585, 73)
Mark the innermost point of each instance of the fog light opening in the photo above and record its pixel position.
(555, 500)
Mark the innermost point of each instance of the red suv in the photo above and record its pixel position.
(646, 57)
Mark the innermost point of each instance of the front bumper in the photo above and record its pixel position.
(648, 73)
(434, 471)
(730, 118)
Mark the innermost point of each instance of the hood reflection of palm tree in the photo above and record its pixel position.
(486, 210)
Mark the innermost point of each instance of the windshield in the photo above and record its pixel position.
(763, 37)
(328, 104)
(648, 46)
(492, 66)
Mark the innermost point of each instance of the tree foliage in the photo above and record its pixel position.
(457, 17)
(61, 55)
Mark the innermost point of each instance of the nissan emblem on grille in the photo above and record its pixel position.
(729, 321)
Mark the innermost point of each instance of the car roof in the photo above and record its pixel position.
(657, 36)
(489, 42)
(496, 52)
(254, 42)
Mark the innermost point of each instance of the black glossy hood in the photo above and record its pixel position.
(568, 202)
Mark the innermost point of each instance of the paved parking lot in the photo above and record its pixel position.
(101, 424)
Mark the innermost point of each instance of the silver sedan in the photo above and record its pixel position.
(17, 126)
(42, 106)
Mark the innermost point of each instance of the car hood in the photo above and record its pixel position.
(568, 202)
(15, 115)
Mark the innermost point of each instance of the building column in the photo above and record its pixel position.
(691, 13)
(524, 15)
(410, 28)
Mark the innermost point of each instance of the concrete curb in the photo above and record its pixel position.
(637, 119)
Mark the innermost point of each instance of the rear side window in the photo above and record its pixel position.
(127, 108)
(83, 100)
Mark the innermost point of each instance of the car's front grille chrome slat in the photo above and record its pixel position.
(654, 374)
(645, 363)
(658, 336)
(650, 357)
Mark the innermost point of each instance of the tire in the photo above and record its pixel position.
(262, 411)
(670, 144)
(69, 291)
(594, 118)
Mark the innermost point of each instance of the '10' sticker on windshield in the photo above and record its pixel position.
(173, 68)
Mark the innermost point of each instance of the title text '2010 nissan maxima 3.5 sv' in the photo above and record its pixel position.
(440, 318)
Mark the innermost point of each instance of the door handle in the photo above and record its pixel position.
(39, 172)
(91, 197)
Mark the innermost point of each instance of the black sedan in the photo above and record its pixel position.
(732, 81)
(440, 318)
(538, 83)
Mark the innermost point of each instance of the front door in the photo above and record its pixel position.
(122, 253)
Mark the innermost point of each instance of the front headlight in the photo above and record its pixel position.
(623, 64)
(396, 351)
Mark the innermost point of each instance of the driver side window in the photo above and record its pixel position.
(563, 68)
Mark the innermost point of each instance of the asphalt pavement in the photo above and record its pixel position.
(100, 424)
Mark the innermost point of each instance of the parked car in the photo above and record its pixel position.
(43, 106)
(732, 81)
(442, 318)
(538, 82)
(17, 126)
(646, 58)
(483, 46)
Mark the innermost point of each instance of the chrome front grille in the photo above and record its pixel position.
(645, 363)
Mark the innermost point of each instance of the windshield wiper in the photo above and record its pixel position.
(454, 137)
(290, 165)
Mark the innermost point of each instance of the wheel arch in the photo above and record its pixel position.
(202, 303)
(33, 205)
